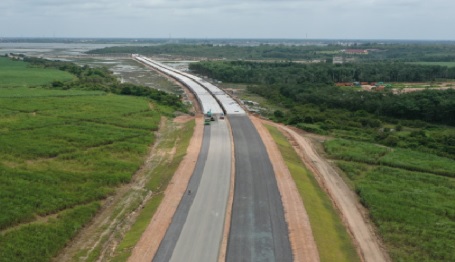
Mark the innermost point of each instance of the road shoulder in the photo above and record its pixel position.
(147, 246)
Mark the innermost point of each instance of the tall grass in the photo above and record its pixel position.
(379, 155)
(413, 211)
(60, 155)
(42, 240)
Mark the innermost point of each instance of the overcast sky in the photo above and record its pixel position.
(332, 19)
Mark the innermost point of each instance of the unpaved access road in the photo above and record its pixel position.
(352, 213)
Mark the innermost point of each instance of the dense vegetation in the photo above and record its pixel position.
(299, 73)
(316, 105)
(217, 51)
(296, 50)
(61, 153)
(413, 211)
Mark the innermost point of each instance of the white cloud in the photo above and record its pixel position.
(230, 18)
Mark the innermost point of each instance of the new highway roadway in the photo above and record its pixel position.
(258, 229)
(201, 220)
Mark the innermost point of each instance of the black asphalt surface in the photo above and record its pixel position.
(169, 241)
(258, 228)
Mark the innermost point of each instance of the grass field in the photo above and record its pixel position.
(369, 153)
(413, 211)
(20, 74)
(332, 239)
(59, 156)
(23, 92)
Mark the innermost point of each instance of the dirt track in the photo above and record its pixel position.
(353, 214)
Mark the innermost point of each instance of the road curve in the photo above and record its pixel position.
(258, 229)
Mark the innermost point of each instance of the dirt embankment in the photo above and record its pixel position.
(147, 246)
(353, 214)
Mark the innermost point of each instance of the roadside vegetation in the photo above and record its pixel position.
(313, 104)
(164, 168)
(397, 150)
(64, 149)
(413, 211)
(328, 230)
(19, 74)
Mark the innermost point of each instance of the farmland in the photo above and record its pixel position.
(62, 153)
(16, 74)
(413, 211)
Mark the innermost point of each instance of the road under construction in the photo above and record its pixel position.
(258, 230)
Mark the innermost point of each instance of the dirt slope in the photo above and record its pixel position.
(148, 244)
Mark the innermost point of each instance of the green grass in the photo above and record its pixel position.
(413, 211)
(20, 74)
(41, 241)
(22, 92)
(332, 239)
(160, 177)
(355, 151)
(59, 153)
(369, 153)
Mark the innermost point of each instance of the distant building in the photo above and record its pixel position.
(337, 60)
(341, 60)
(355, 51)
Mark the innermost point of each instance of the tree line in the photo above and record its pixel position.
(316, 105)
(390, 51)
(299, 73)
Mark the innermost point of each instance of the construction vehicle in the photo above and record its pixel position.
(208, 117)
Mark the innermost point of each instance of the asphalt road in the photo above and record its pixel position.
(196, 233)
(169, 241)
(258, 228)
